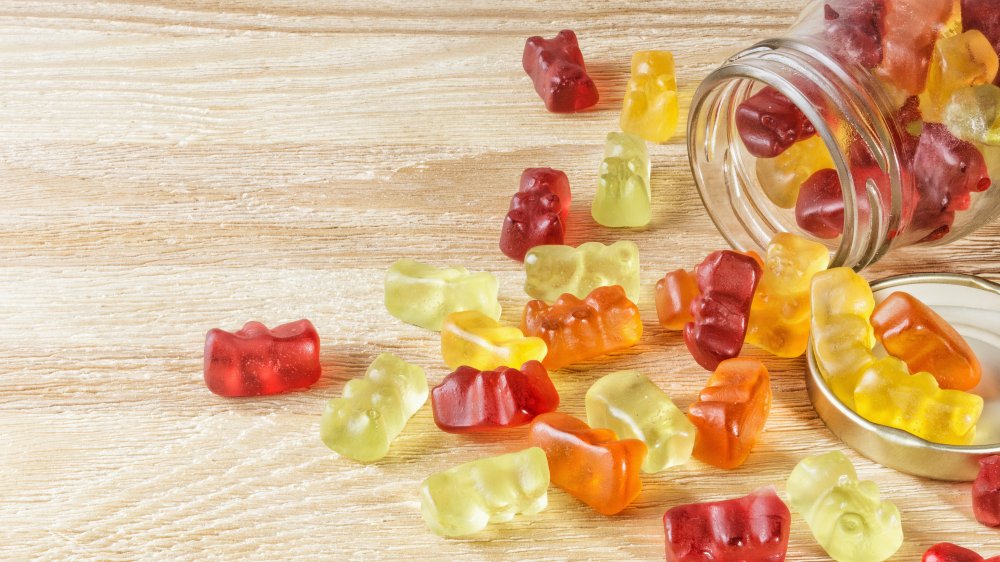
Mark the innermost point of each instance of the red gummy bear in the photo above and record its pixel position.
(769, 123)
(727, 281)
(537, 213)
(557, 70)
(947, 552)
(754, 528)
(470, 400)
(946, 170)
(819, 210)
(984, 16)
(986, 492)
(256, 361)
(854, 29)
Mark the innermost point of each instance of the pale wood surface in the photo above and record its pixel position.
(172, 166)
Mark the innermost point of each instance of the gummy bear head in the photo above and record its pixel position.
(852, 522)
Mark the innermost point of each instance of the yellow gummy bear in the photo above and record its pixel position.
(551, 271)
(779, 316)
(623, 193)
(474, 339)
(887, 394)
(843, 338)
(421, 294)
(782, 176)
(967, 59)
(974, 115)
(650, 106)
(465, 499)
(373, 409)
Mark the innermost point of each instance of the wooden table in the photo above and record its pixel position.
(172, 166)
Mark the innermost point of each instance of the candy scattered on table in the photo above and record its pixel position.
(727, 281)
(847, 517)
(730, 412)
(469, 400)
(650, 106)
(575, 330)
(591, 464)
(467, 498)
(471, 338)
(255, 361)
(948, 552)
(556, 68)
(754, 527)
(552, 271)
(537, 214)
(373, 409)
(623, 193)
(674, 294)
(986, 492)
(633, 407)
(422, 294)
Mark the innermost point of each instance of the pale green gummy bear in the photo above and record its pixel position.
(421, 294)
(974, 114)
(373, 409)
(465, 499)
(623, 193)
(632, 406)
(551, 271)
(846, 516)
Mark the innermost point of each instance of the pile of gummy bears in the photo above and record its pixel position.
(584, 308)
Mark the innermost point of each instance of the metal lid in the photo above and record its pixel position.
(972, 306)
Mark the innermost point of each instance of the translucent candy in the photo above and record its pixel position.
(782, 176)
(965, 60)
(674, 294)
(974, 114)
(650, 106)
(623, 192)
(911, 29)
(421, 294)
(473, 339)
(552, 271)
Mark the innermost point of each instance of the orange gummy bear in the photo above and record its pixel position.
(674, 294)
(911, 331)
(575, 330)
(591, 464)
(730, 412)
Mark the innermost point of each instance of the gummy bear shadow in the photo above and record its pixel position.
(610, 78)
(340, 365)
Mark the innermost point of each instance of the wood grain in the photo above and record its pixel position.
(171, 166)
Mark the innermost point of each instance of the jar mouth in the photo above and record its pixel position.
(842, 104)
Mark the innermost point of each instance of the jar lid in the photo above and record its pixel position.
(972, 306)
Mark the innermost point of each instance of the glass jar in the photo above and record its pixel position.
(867, 127)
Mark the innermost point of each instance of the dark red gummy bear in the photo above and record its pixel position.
(769, 123)
(557, 70)
(984, 16)
(537, 214)
(470, 400)
(947, 552)
(986, 492)
(754, 528)
(819, 210)
(727, 281)
(854, 30)
(946, 171)
(256, 361)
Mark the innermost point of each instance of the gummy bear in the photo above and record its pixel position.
(537, 214)
(421, 294)
(373, 409)
(754, 527)
(986, 492)
(769, 123)
(911, 29)
(591, 464)
(623, 193)
(819, 209)
(854, 29)
(974, 115)
(961, 61)
(650, 106)
(887, 394)
(473, 339)
(255, 361)
(467, 498)
(632, 406)
(779, 316)
(674, 294)
(913, 332)
(575, 330)
(847, 517)
(948, 552)
(727, 281)
(556, 68)
(552, 271)
(983, 16)
(730, 412)
(781, 177)
(469, 400)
